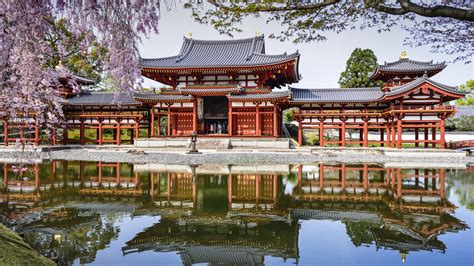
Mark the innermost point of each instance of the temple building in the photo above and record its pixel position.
(233, 89)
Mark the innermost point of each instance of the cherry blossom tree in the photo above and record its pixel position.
(29, 86)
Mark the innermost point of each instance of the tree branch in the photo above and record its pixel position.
(407, 6)
(261, 8)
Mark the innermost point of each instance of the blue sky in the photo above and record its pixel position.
(321, 62)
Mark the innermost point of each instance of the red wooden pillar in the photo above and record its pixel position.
(433, 135)
(399, 131)
(417, 137)
(366, 134)
(258, 131)
(195, 115)
(230, 124)
(343, 133)
(300, 132)
(37, 135)
(361, 136)
(169, 121)
(426, 137)
(152, 121)
(394, 138)
(119, 133)
(5, 132)
(275, 120)
(321, 133)
(389, 142)
(137, 128)
(442, 140)
(99, 133)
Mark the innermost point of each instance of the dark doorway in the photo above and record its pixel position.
(216, 112)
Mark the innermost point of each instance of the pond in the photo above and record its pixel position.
(315, 214)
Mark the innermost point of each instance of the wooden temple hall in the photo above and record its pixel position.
(234, 89)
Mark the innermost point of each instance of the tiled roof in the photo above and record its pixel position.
(260, 96)
(84, 80)
(211, 53)
(101, 98)
(406, 65)
(419, 81)
(336, 95)
(153, 97)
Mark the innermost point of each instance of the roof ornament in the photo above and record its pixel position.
(258, 32)
(404, 55)
(190, 35)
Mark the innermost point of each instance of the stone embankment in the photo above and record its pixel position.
(132, 154)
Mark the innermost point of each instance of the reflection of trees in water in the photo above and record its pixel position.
(360, 232)
(461, 182)
(69, 241)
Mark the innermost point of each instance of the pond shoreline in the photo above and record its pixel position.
(131, 154)
(15, 251)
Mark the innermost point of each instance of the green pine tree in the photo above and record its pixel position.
(468, 87)
(360, 64)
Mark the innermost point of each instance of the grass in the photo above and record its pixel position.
(14, 251)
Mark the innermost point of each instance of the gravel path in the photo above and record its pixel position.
(235, 157)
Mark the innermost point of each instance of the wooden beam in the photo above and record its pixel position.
(300, 133)
(321, 133)
(442, 140)
(230, 118)
(399, 132)
(258, 131)
(275, 120)
(366, 134)
(343, 133)
(152, 121)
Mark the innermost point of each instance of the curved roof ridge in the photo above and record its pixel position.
(412, 61)
(410, 85)
(252, 48)
(158, 58)
(257, 38)
(273, 55)
(186, 53)
(331, 89)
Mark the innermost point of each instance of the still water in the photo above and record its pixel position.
(318, 214)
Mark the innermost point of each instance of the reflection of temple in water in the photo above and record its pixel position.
(238, 213)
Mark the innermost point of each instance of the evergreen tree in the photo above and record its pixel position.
(468, 87)
(360, 64)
